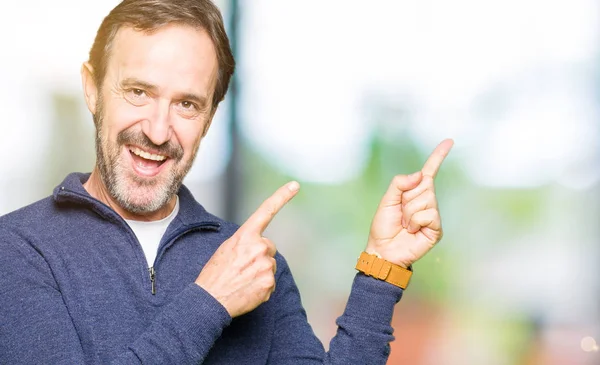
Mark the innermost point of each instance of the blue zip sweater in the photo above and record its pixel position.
(75, 289)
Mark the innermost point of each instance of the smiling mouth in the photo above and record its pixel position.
(146, 155)
(146, 163)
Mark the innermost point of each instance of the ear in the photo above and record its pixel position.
(90, 90)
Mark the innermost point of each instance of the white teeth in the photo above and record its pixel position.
(147, 156)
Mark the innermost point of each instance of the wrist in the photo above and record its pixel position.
(392, 257)
(372, 265)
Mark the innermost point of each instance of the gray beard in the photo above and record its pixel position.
(133, 196)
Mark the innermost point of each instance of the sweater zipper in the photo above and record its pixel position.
(153, 279)
(87, 198)
(152, 270)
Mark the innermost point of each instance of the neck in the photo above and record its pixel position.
(96, 188)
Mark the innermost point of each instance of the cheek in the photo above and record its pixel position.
(188, 133)
(120, 115)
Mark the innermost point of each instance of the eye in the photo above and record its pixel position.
(188, 109)
(188, 105)
(137, 96)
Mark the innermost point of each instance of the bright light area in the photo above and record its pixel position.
(308, 67)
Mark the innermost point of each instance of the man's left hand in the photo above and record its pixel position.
(407, 223)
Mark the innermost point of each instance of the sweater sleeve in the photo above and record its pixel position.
(36, 327)
(364, 329)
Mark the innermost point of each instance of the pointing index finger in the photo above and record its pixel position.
(433, 163)
(260, 219)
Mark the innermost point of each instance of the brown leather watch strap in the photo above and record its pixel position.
(381, 269)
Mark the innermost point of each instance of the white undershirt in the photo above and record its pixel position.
(150, 233)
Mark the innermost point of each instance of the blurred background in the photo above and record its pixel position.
(343, 95)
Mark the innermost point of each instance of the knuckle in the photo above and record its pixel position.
(271, 210)
(274, 264)
(399, 180)
(262, 248)
(270, 247)
(269, 293)
(271, 206)
(268, 282)
(264, 266)
(410, 206)
(405, 197)
(415, 219)
(433, 217)
(427, 180)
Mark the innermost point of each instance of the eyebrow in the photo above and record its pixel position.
(202, 101)
(133, 82)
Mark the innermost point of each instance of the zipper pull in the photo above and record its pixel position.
(153, 279)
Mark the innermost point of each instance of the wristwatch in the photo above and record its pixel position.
(381, 269)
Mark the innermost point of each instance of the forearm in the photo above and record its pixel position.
(184, 332)
(364, 330)
(37, 327)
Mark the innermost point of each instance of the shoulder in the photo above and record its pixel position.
(47, 223)
(20, 233)
(30, 217)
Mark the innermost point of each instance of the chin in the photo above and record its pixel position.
(143, 195)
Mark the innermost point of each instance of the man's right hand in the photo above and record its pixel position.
(241, 273)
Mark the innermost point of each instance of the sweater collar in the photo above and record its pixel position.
(71, 191)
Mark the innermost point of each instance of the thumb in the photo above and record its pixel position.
(400, 184)
(408, 182)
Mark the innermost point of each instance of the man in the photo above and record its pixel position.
(74, 280)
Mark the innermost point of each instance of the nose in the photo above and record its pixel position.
(158, 128)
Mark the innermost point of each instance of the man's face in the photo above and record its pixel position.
(152, 111)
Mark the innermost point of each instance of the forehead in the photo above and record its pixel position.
(176, 57)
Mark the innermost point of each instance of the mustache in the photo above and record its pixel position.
(139, 139)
